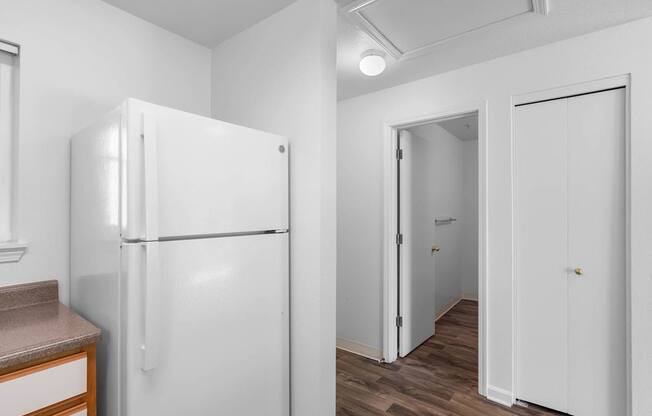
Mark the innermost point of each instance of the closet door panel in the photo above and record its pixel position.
(596, 237)
(541, 253)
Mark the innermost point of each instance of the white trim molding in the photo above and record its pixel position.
(353, 11)
(541, 7)
(450, 305)
(360, 349)
(8, 121)
(500, 396)
(9, 47)
(390, 258)
(12, 252)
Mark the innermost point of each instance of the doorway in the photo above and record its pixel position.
(437, 223)
(432, 226)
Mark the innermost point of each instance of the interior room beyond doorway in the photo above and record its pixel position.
(452, 158)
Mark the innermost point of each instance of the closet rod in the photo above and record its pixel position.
(444, 220)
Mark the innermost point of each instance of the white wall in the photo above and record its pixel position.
(469, 220)
(615, 51)
(80, 58)
(279, 76)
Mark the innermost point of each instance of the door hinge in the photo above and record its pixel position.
(399, 154)
(399, 321)
(399, 239)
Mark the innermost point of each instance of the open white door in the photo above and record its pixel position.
(416, 262)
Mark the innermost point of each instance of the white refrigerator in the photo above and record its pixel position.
(179, 253)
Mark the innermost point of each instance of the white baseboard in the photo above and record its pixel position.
(500, 396)
(360, 349)
(450, 305)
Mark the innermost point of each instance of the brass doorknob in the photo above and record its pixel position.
(435, 249)
(578, 271)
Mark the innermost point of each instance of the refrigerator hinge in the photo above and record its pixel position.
(399, 239)
(399, 154)
(399, 321)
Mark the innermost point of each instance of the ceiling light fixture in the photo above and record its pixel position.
(372, 63)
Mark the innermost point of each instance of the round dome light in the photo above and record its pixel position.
(372, 64)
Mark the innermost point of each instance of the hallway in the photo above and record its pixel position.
(439, 378)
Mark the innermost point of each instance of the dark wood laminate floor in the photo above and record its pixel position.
(439, 378)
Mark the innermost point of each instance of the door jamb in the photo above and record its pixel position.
(554, 93)
(390, 199)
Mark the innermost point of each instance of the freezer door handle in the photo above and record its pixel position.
(150, 153)
(152, 321)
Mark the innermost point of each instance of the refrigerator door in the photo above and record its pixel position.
(215, 338)
(188, 175)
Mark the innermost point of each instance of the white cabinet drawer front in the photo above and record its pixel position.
(37, 387)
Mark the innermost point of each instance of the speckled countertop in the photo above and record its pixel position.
(34, 324)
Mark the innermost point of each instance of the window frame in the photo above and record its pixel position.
(11, 249)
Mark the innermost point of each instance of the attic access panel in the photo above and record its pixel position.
(408, 27)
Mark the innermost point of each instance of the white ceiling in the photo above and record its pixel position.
(464, 128)
(420, 37)
(208, 22)
(428, 37)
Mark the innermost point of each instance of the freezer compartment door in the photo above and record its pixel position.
(218, 330)
(188, 175)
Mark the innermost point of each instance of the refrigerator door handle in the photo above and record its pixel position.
(150, 153)
(152, 321)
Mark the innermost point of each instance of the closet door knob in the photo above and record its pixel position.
(435, 249)
(578, 271)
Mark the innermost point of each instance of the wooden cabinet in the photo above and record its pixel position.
(80, 410)
(60, 385)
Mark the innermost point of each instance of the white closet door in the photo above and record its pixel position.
(541, 249)
(596, 237)
(570, 254)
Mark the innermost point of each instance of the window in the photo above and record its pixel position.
(10, 249)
